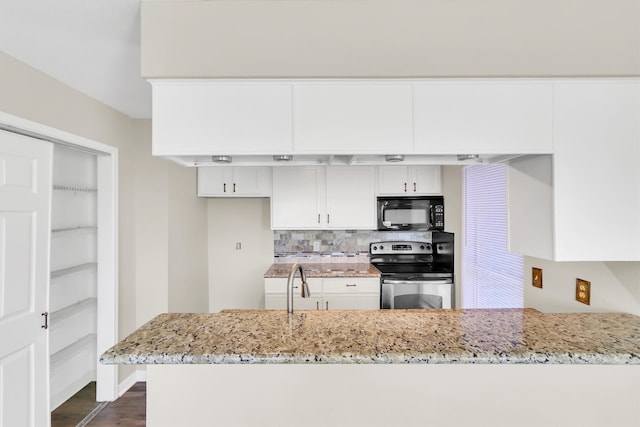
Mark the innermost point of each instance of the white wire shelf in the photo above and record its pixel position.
(75, 189)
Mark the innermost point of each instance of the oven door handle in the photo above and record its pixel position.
(418, 282)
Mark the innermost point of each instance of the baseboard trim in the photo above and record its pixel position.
(127, 383)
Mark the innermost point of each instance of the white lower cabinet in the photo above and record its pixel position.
(341, 293)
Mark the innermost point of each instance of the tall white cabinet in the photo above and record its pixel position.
(73, 283)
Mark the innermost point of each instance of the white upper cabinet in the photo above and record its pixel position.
(478, 117)
(353, 118)
(582, 204)
(228, 181)
(318, 197)
(209, 118)
(351, 197)
(409, 180)
(298, 198)
(596, 173)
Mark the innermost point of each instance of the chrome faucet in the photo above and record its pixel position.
(304, 293)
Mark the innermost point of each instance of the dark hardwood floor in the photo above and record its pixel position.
(71, 412)
(130, 410)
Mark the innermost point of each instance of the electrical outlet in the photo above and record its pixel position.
(536, 277)
(583, 291)
(316, 246)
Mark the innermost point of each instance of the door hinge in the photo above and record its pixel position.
(46, 320)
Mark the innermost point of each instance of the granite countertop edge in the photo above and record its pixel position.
(495, 336)
(473, 359)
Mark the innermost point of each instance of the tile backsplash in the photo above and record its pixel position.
(286, 242)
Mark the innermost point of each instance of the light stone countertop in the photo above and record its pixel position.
(510, 336)
(333, 269)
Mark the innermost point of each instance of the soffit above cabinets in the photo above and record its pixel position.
(351, 121)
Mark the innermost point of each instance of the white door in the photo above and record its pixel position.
(25, 193)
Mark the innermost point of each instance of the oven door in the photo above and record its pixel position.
(409, 294)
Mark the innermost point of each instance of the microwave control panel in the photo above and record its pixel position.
(438, 216)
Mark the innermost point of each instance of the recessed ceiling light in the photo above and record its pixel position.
(221, 159)
(394, 158)
(462, 157)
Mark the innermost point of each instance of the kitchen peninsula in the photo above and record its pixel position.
(388, 367)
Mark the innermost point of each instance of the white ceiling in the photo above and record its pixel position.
(90, 45)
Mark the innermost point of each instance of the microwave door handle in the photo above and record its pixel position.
(431, 216)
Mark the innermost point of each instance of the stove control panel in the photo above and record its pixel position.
(400, 248)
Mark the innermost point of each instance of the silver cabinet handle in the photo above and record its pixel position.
(349, 285)
(234, 187)
(328, 219)
(327, 305)
(46, 320)
(405, 187)
(317, 305)
(224, 187)
(414, 187)
(318, 218)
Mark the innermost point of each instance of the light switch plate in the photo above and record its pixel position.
(536, 277)
(583, 291)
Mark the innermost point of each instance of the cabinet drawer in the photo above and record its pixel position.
(278, 285)
(351, 285)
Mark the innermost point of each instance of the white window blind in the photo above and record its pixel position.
(492, 277)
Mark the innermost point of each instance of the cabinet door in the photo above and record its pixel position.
(393, 180)
(296, 201)
(426, 180)
(230, 181)
(251, 181)
(205, 118)
(279, 302)
(596, 177)
(409, 180)
(351, 293)
(350, 197)
(352, 118)
(454, 117)
(351, 302)
(275, 297)
(214, 181)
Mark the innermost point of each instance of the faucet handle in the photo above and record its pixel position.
(304, 292)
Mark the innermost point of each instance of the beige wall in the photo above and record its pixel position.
(383, 38)
(615, 286)
(236, 275)
(452, 192)
(145, 192)
(188, 273)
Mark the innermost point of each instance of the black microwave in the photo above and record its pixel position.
(411, 213)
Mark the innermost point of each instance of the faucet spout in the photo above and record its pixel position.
(304, 292)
